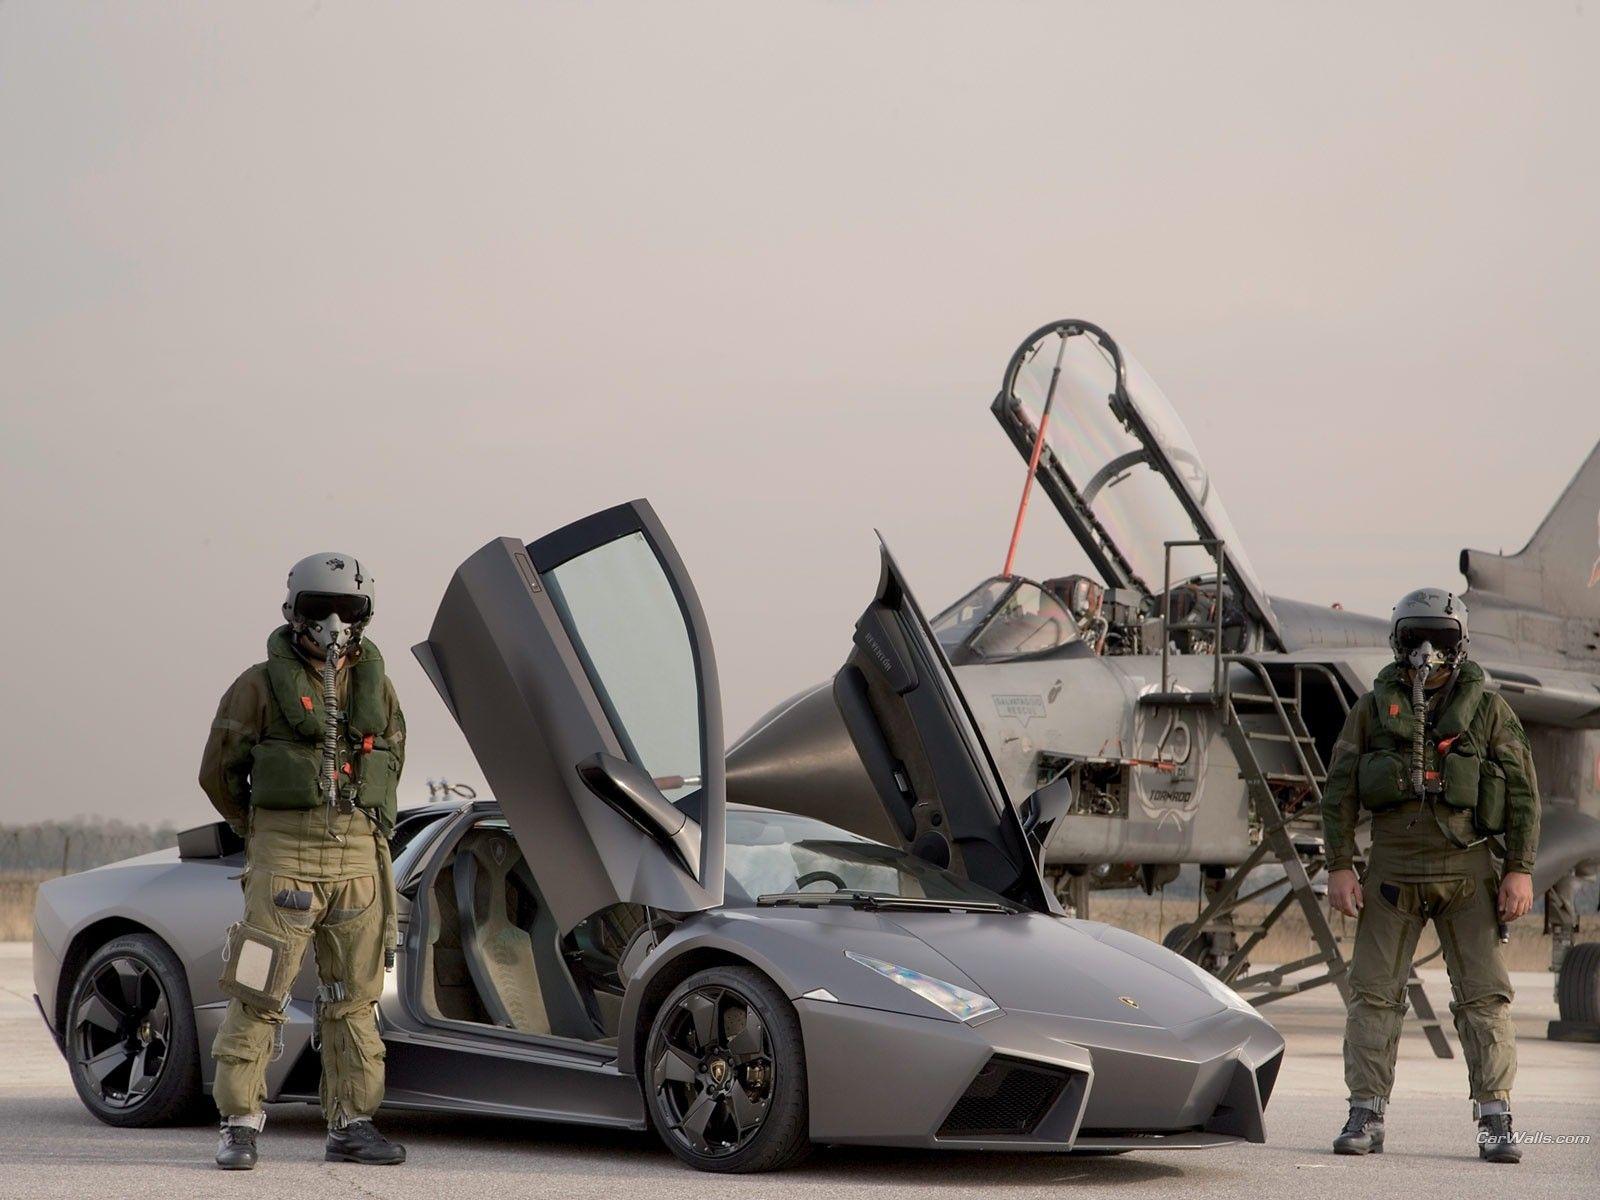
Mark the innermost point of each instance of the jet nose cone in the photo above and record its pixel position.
(799, 758)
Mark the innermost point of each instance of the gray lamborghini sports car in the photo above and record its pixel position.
(611, 942)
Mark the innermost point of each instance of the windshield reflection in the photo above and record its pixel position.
(1005, 618)
(774, 853)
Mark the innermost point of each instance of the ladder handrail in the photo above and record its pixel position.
(1255, 667)
(1333, 680)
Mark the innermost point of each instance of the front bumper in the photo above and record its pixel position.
(884, 1078)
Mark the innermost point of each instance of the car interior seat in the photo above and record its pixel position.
(453, 996)
(499, 951)
(511, 943)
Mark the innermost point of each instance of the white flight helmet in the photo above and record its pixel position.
(329, 600)
(1434, 617)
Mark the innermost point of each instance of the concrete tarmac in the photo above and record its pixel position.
(51, 1147)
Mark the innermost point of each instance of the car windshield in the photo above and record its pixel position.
(1005, 618)
(772, 853)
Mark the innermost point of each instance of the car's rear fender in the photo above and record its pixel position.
(178, 902)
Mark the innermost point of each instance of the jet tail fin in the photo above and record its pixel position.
(1559, 569)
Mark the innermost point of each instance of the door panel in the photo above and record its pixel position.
(916, 737)
(590, 642)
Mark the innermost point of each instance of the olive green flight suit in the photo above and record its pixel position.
(313, 875)
(1484, 782)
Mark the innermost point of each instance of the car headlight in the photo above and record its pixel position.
(959, 1002)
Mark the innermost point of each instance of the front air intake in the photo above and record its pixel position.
(1266, 1076)
(1008, 1098)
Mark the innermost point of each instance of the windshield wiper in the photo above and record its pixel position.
(877, 900)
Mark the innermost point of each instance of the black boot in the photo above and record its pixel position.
(1494, 1139)
(236, 1151)
(360, 1142)
(1362, 1133)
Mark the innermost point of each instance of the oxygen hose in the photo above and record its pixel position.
(1419, 699)
(1421, 667)
(330, 725)
(1419, 681)
(330, 732)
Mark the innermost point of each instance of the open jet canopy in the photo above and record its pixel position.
(1119, 465)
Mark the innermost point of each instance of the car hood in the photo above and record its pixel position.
(1035, 962)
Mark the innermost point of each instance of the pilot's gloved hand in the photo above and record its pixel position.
(1344, 892)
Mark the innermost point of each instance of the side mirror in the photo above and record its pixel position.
(1042, 809)
(632, 792)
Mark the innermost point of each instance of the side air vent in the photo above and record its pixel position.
(1008, 1098)
(1266, 1076)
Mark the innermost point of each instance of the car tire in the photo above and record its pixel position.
(1578, 984)
(129, 1036)
(766, 1062)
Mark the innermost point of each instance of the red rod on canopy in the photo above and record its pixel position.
(1033, 459)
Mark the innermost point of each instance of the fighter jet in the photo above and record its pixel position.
(1180, 713)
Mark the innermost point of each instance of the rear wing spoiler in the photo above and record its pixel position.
(216, 840)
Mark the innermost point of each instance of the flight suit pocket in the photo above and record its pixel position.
(1490, 816)
(1381, 780)
(1393, 897)
(349, 899)
(1368, 1031)
(293, 903)
(380, 782)
(284, 775)
(1461, 772)
(257, 967)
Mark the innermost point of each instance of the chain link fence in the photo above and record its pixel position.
(62, 847)
(30, 854)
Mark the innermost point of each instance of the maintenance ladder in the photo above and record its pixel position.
(1284, 775)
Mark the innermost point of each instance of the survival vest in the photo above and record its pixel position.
(1456, 761)
(286, 764)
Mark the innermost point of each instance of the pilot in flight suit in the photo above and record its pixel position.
(304, 760)
(1439, 786)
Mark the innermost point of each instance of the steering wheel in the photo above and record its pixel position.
(810, 877)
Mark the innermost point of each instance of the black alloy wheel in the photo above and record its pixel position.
(724, 1073)
(129, 1035)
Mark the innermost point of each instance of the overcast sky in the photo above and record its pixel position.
(396, 280)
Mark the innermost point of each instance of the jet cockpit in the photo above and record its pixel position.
(1117, 463)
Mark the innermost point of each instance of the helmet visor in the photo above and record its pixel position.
(319, 606)
(1443, 634)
